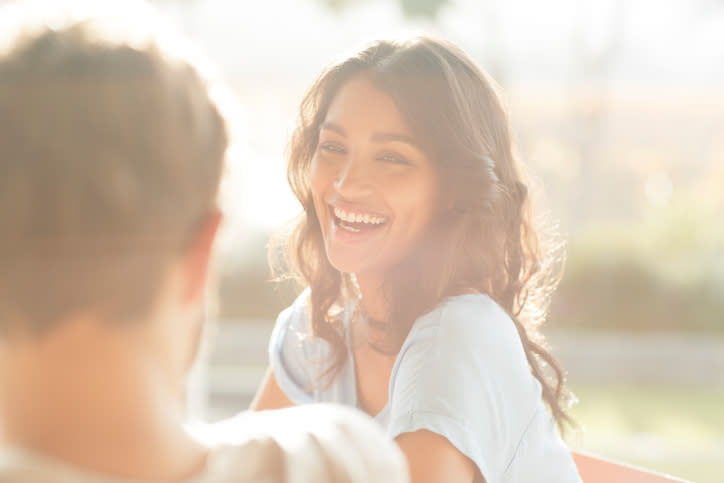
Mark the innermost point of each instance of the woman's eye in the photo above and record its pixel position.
(394, 158)
(331, 148)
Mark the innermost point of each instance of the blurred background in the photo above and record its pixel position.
(618, 111)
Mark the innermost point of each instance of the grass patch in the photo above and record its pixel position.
(673, 429)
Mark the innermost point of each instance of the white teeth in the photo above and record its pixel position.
(358, 217)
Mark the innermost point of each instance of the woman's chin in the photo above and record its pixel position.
(350, 264)
(345, 265)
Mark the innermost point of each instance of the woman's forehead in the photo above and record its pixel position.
(361, 104)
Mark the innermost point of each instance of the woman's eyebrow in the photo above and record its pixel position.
(386, 137)
(377, 137)
(330, 126)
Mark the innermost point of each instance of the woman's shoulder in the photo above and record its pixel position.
(299, 307)
(294, 318)
(468, 318)
(471, 337)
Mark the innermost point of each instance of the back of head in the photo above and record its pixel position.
(111, 153)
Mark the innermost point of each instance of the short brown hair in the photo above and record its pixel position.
(111, 155)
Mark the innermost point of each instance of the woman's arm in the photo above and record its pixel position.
(270, 395)
(431, 458)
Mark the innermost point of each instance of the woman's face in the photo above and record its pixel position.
(375, 191)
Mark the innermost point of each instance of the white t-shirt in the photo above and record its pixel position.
(461, 373)
(315, 444)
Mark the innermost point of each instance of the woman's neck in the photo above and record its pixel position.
(372, 297)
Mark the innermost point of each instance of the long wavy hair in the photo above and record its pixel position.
(484, 241)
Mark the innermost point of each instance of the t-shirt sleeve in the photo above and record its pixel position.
(463, 374)
(288, 352)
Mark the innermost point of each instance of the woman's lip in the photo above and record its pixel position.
(354, 233)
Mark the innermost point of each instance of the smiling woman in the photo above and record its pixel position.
(426, 277)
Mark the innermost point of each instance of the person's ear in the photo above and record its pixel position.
(197, 259)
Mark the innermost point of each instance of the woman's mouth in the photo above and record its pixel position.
(357, 221)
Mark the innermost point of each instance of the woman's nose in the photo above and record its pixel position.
(353, 178)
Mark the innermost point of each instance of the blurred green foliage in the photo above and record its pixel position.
(410, 8)
(664, 273)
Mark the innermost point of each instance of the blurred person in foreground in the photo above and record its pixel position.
(427, 274)
(112, 148)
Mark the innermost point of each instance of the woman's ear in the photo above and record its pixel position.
(197, 259)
